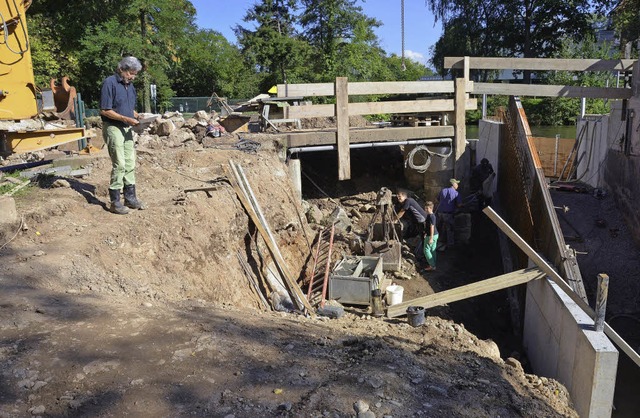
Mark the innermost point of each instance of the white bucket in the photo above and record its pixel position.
(394, 294)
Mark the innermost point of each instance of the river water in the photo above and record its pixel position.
(542, 131)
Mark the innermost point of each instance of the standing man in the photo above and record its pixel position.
(479, 175)
(117, 110)
(449, 201)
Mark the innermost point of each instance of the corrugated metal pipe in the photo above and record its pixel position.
(372, 145)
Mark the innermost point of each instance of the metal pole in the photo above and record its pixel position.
(371, 145)
(601, 301)
(484, 106)
(555, 157)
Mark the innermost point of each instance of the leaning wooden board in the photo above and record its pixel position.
(468, 291)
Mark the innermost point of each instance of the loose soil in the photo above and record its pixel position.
(151, 314)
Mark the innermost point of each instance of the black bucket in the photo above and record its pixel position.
(415, 316)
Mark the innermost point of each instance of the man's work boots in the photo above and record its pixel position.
(130, 199)
(116, 205)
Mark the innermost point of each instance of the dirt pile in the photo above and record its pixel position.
(151, 314)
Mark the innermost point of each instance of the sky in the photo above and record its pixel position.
(420, 31)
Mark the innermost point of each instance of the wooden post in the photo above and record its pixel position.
(601, 301)
(461, 131)
(295, 172)
(342, 121)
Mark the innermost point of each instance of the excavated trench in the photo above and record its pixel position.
(486, 316)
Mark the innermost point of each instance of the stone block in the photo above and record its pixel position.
(8, 211)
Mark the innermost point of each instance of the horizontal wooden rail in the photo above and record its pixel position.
(468, 291)
(539, 64)
(541, 90)
(305, 139)
(375, 108)
(367, 88)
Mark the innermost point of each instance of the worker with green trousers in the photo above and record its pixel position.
(430, 237)
(117, 110)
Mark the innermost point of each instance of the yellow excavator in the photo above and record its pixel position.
(23, 107)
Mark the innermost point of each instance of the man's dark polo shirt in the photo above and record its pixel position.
(117, 96)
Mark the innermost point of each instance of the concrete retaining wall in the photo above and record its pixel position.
(561, 344)
(622, 169)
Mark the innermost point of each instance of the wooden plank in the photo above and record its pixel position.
(305, 139)
(601, 301)
(542, 264)
(539, 90)
(461, 127)
(539, 64)
(254, 214)
(376, 108)
(468, 291)
(366, 88)
(342, 122)
(400, 87)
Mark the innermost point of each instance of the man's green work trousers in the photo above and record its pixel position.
(430, 250)
(119, 140)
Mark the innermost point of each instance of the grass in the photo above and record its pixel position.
(8, 187)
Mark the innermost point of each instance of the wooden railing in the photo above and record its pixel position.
(341, 90)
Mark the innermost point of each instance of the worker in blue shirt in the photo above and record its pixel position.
(449, 201)
(117, 110)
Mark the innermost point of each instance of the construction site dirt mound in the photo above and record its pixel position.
(152, 314)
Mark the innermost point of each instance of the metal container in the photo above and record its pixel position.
(354, 278)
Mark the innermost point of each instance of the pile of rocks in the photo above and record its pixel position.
(172, 130)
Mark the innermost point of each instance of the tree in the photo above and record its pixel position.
(520, 28)
(563, 111)
(334, 28)
(626, 20)
(209, 63)
(152, 30)
(274, 47)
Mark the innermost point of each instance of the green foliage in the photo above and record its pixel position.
(274, 48)
(342, 40)
(563, 111)
(626, 20)
(209, 63)
(507, 27)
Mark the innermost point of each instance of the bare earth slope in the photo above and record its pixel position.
(150, 314)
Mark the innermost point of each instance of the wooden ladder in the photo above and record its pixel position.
(319, 275)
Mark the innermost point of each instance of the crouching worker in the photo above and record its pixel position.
(430, 238)
(117, 110)
(411, 215)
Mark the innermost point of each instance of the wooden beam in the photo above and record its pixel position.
(461, 127)
(539, 64)
(342, 122)
(243, 192)
(468, 291)
(376, 108)
(540, 90)
(550, 271)
(305, 139)
(366, 88)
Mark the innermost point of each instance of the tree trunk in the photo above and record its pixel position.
(146, 90)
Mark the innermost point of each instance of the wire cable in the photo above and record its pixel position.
(15, 235)
(423, 150)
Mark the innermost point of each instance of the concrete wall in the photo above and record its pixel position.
(622, 164)
(488, 146)
(592, 149)
(561, 344)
